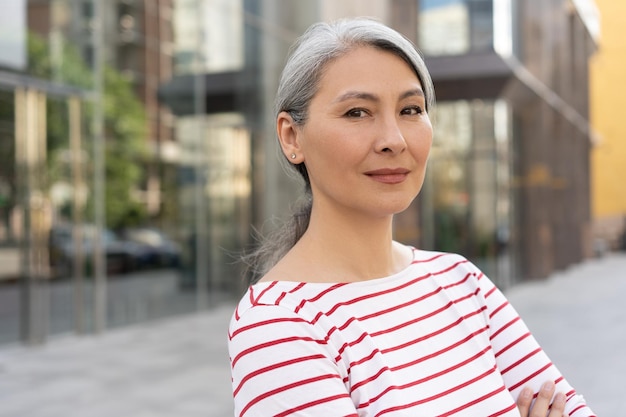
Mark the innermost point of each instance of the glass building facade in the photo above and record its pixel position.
(138, 156)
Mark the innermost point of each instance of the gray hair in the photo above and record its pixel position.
(311, 53)
(325, 42)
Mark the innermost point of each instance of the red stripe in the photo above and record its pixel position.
(286, 388)
(435, 333)
(394, 289)
(275, 366)
(280, 298)
(415, 320)
(506, 410)
(451, 267)
(441, 351)
(529, 377)
(421, 261)
(580, 407)
(516, 363)
(374, 377)
(265, 323)
(506, 326)
(364, 358)
(441, 394)
(352, 319)
(376, 294)
(433, 376)
(416, 361)
(326, 291)
(497, 310)
(314, 403)
(462, 281)
(299, 307)
(353, 343)
(429, 315)
(266, 289)
(317, 317)
(475, 401)
(401, 306)
(274, 343)
(297, 287)
(491, 291)
(515, 342)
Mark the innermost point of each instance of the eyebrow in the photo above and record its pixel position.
(372, 97)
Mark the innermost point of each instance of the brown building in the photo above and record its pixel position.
(522, 69)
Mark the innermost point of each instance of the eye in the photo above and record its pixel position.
(412, 110)
(356, 113)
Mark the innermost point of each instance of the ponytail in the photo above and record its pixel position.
(278, 242)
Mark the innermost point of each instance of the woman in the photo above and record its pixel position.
(344, 320)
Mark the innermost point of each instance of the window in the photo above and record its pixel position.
(452, 27)
(468, 185)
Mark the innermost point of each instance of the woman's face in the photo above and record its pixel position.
(367, 136)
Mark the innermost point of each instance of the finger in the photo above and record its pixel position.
(558, 405)
(524, 400)
(542, 403)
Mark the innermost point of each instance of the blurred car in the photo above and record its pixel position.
(122, 256)
(161, 251)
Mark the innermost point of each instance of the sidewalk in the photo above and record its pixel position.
(179, 367)
(579, 318)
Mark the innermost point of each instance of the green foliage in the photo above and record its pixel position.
(124, 129)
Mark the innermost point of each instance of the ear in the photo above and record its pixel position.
(289, 136)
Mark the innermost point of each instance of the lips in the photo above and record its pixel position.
(389, 175)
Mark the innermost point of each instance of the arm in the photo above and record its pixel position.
(520, 359)
(280, 363)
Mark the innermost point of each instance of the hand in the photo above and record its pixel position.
(542, 404)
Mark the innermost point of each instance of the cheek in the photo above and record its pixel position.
(339, 145)
(422, 146)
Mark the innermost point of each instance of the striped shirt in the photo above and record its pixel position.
(436, 339)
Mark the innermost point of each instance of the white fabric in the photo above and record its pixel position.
(436, 339)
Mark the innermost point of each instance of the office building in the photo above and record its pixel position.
(507, 184)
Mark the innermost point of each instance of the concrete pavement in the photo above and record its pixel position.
(579, 318)
(178, 367)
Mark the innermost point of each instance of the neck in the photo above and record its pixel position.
(349, 247)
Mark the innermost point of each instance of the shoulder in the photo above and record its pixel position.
(434, 261)
(271, 306)
(269, 320)
(264, 298)
(449, 268)
(263, 322)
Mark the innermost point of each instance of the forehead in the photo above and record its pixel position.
(366, 64)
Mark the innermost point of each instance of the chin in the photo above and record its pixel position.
(395, 208)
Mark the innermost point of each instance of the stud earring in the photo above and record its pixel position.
(293, 156)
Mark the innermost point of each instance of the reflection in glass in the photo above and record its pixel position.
(209, 36)
(468, 190)
(454, 27)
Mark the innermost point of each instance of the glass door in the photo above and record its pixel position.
(10, 230)
(42, 190)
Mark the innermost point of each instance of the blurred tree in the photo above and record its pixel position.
(124, 130)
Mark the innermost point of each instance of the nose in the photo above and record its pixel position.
(390, 138)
